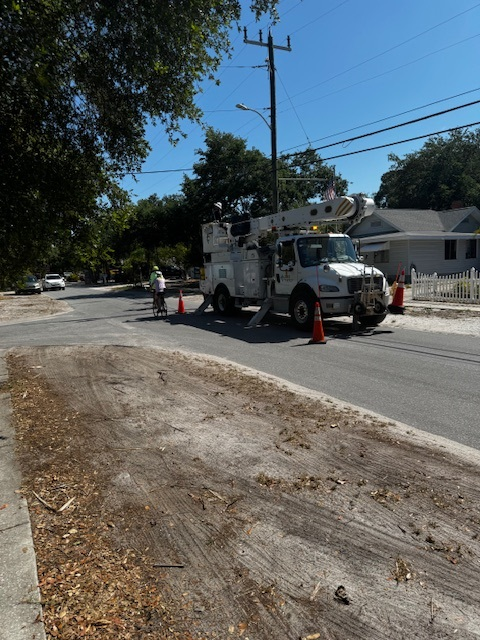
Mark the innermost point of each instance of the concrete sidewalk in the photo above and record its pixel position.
(20, 609)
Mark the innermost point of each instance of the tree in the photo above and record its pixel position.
(94, 243)
(445, 172)
(305, 165)
(231, 174)
(238, 178)
(80, 80)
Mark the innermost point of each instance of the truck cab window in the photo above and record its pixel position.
(341, 250)
(319, 250)
(286, 252)
(313, 251)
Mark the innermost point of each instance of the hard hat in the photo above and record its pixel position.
(155, 267)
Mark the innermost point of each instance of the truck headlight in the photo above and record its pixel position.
(329, 288)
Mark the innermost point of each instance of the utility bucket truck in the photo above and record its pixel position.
(283, 263)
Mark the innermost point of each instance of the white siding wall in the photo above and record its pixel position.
(427, 256)
(397, 255)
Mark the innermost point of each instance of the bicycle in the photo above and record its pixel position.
(159, 307)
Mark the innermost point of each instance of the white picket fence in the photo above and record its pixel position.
(456, 288)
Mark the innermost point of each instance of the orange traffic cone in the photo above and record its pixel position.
(318, 333)
(396, 306)
(180, 307)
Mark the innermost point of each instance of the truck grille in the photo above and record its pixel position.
(356, 284)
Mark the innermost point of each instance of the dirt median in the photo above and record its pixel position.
(176, 496)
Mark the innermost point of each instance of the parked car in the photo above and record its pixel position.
(171, 271)
(29, 285)
(53, 282)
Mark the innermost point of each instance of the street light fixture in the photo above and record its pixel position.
(274, 164)
(246, 108)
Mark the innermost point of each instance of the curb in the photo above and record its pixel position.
(20, 607)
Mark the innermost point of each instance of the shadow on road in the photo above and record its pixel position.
(275, 328)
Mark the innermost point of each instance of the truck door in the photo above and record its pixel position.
(286, 267)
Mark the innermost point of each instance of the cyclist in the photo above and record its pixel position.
(152, 278)
(159, 287)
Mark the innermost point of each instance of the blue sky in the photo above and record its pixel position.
(355, 66)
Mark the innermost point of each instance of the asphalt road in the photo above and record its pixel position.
(427, 380)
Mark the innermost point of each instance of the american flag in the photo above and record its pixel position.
(330, 193)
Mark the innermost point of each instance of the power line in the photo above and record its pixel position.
(242, 66)
(308, 24)
(360, 151)
(164, 171)
(223, 68)
(294, 108)
(400, 142)
(422, 33)
(386, 129)
(410, 122)
(380, 120)
(385, 73)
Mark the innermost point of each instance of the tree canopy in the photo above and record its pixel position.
(240, 179)
(80, 80)
(444, 173)
(237, 177)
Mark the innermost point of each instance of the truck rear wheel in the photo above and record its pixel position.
(223, 302)
(302, 309)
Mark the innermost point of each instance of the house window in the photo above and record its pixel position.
(382, 256)
(450, 250)
(471, 249)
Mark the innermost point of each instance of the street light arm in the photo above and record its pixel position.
(246, 108)
(272, 128)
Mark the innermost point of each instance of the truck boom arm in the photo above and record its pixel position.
(217, 235)
(345, 208)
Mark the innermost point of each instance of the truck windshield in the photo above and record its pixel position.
(314, 250)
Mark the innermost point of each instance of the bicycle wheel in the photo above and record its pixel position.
(157, 307)
(163, 309)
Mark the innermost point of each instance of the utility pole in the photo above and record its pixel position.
(274, 162)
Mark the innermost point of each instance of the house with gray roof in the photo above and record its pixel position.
(425, 240)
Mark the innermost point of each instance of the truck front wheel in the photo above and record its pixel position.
(302, 309)
(223, 302)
